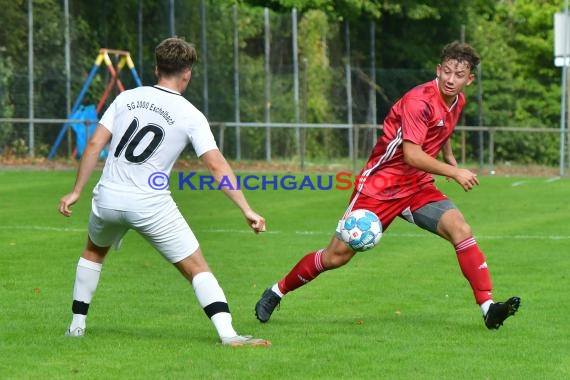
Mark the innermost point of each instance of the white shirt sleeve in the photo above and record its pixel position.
(109, 116)
(201, 136)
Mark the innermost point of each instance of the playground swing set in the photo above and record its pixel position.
(90, 112)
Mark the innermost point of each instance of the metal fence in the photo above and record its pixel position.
(363, 138)
(257, 100)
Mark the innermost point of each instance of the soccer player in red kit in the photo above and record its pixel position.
(397, 181)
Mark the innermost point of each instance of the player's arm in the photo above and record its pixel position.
(416, 157)
(97, 142)
(448, 156)
(447, 153)
(221, 170)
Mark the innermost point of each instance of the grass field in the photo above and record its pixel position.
(400, 311)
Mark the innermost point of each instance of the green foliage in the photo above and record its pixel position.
(411, 34)
(13, 34)
(537, 148)
(19, 148)
(519, 82)
(315, 32)
(6, 106)
(335, 9)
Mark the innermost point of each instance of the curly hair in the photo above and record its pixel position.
(460, 52)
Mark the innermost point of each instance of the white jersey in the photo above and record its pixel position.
(150, 127)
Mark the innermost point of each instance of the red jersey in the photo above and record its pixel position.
(422, 117)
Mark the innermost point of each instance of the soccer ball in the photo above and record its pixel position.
(361, 230)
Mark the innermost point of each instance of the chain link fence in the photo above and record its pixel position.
(275, 86)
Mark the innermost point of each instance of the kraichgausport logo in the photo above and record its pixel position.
(339, 181)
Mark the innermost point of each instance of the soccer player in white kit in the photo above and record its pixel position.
(146, 129)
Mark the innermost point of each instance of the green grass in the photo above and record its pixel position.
(400, 311)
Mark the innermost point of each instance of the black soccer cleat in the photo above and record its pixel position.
(266, 304)
(500, 311)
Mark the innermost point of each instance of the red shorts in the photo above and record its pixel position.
(388, 210)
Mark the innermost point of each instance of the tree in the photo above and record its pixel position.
(520, 82)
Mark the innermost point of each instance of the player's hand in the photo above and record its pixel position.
(255, 221)
(66, 202)
(466, 179)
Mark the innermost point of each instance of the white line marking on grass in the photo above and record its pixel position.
(305, 233)
(527, 237)
(44, 228)
(233, 231)
(553, 179)
(395, 234)
(518, 183)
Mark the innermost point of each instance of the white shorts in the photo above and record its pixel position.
(164, 228)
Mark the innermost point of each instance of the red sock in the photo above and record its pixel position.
(306, 270)
(474, 268)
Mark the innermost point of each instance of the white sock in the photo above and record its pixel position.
(78, 320)
(276, 290)
(212, 299)
(86, 280)
(485, 306)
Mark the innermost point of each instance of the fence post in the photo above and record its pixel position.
(31, 78)
(480, 112)
(355, 128)
(491, 150)
(267, 94)
(295, 47)
(568, 139)
(303, 131)
(222, 130)
(236, 84)
(204, 56)
(372, 90)
(348, 72)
